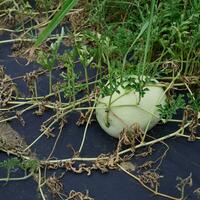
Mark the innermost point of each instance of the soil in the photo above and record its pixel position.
(11, 140)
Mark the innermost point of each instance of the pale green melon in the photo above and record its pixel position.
(126, 109)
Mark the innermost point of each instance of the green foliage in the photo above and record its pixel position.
(10, 163)
(174, 36)
(179, 32)
(110, 85)
(30, 165)
(12, 10)
(194, 101)
(122, 39)
(46, 5)
(103, 49)
(82, 50)
(128, 81)
(48, 59)
(70, 77)
(137, 84)
(170, 109)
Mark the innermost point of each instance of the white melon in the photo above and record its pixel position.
(126, 109)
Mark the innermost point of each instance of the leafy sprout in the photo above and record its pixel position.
(194, 101)
(13, 163)
(48, 59)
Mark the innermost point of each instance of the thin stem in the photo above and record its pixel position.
(148, 36)
(17, 178)
(50, 82)
(41, 135)
(108, 111)
(87, 80)
(174, 134)
(8, 119)
(86, 128)
(27, 39)
(46, 130)
(35, 86)
(40, 183)
(132, 45)
(147, 187)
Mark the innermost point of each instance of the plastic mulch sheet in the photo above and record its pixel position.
(181, 160)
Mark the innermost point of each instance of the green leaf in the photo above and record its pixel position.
(67, 5)
(10, 163)
(30, 165)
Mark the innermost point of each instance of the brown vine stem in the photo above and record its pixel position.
(10, 152)
(147, 187)
(21, 112)
(16, 105)
(54, 146)
(8, 119)
(67, 110)
(86, 127)
(40, 183)
(41, 135)
(174, 134)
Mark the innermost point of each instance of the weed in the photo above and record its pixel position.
(48, 60)
(168, 110)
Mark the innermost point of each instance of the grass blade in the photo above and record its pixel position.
(67, 5)
(143, 29)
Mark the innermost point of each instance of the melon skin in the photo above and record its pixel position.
(126, 109)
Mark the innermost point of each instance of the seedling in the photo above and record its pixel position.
(48, 60)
